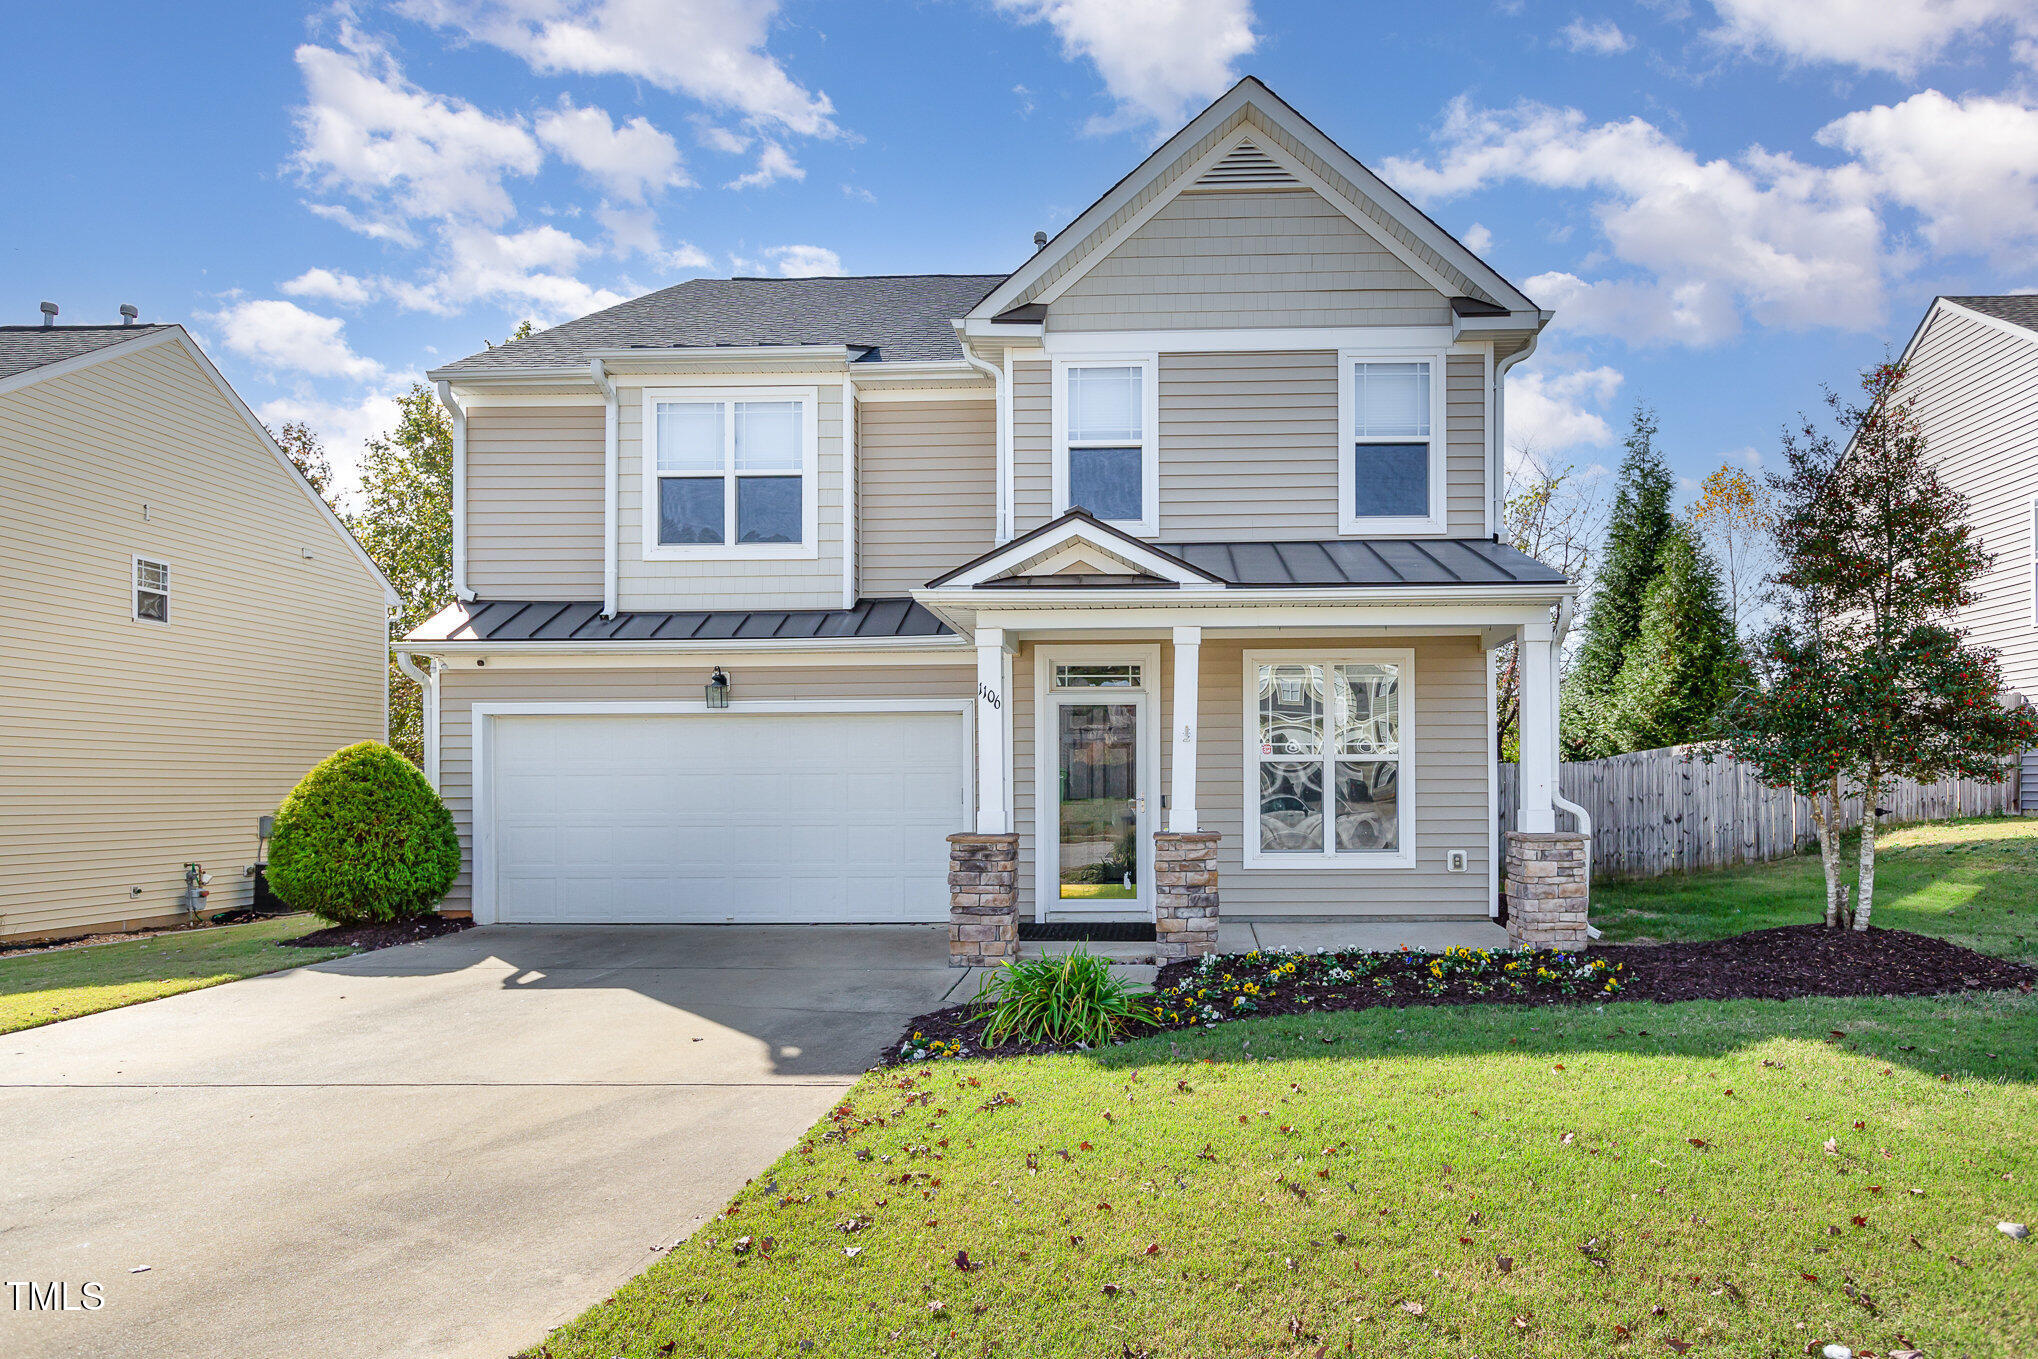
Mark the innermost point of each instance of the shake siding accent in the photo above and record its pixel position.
(927, 492)
(1213, 260)
(534, 511)
(133, 747)
(1976, 395)
(1032, 445)
(760, 583)
(461, 689)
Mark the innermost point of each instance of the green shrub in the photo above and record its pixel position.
(1070, 999)
(363, 839)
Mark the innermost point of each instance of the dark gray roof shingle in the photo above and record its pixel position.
(893, 318)
(26, 347)
(2017, 308)
(505, 620)
(1367, 561)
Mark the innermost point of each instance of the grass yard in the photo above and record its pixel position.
(1735, 1178)
(42, 988)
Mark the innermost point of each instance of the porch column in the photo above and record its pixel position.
(994, 815)
(1182, 787)
(1537, 719)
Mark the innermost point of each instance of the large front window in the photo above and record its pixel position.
(1392, 469)
(730, 473)
(1107, 442)
(1328, 757)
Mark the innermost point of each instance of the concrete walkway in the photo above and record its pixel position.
(441, 1150)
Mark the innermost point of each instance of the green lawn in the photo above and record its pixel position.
(42, 988)
(1353, 1183)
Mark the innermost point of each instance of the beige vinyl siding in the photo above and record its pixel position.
(534, 493)
(133, 747)
(1032, 445)
(1465, 446)
(1216, 260)
(733, 583)
(461, 688)
(1976, 394)
(927, 490)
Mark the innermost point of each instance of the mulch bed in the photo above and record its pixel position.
(380, 935)
(1777, 964)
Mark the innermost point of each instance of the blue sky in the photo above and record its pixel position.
(1727, 202)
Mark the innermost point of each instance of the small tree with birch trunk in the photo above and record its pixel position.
(1865, 680)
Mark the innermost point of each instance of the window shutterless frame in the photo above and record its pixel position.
(149, 587)
(1147, 365)
(727, 399)
(1329, 858)
(1350, 441)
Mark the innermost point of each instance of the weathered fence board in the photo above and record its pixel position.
(1666, 811)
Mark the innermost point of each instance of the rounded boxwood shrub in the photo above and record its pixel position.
(363, 839)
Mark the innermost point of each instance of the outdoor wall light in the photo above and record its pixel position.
(718, 689)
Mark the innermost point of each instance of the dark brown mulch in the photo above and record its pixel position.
(381, 935)
(1777, 964)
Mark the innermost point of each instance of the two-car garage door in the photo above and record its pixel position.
(727, 816)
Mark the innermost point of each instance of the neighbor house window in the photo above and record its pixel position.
(1390, 477)
(729, 475)
(1328, 759)
(151, 590)
(1106, 463)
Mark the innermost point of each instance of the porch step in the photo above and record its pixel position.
(1092, 931)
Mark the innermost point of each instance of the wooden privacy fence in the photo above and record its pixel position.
(1668, 811)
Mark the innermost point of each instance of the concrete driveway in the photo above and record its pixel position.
(438, 1150)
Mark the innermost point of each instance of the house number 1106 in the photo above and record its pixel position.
(990, 696)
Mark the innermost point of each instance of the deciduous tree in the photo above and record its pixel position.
(406, 523)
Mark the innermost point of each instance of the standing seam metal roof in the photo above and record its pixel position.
(502, 620)
(1366, 561)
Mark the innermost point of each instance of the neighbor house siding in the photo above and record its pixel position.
(135, 747)
(927, 490)
(534, 501)
(463, 687)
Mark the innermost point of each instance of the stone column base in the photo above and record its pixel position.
(1548, 889)
(983, 900)
(1185, 894)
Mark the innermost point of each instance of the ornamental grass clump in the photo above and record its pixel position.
(1074, 998)
(363, 839)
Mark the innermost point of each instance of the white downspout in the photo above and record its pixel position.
(612, 420)
(852, 537)
(1565, 610)
(1496, 489)
(460, 590)
(428, 685)
(1002, 389)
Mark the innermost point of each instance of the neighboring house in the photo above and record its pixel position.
(188, 628)
(1972, 374)
(1189, 522)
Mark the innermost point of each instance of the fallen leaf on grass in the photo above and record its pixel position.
(1567, 1139)
(1506, 1262)
(1413, 1309)
(1679, 1345)
(965, 1264)
(1832, 1146)
(1701, 1144)
(1153, 1248)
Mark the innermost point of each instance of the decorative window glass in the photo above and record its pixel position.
(1327, 758)
(151, 590)
(730, 472)
(1096, 677)
(1391, 435)
(1107, 439)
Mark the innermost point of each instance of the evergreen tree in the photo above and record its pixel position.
(1682, 666)
(1640, 526)
(406, 524)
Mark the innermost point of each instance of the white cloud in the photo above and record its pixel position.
(773, 164)
(1602, 39)
(712, 50)
(1967, 167)
(634, 231)
(530, 270)
(806, 261)
(629, 162)
(718, 138)
(1159, 59)
(861, 195)
(283, 337)
(1898, 36)
(1477, 238)
(1551, 412)
(343, 427)
(375, 229)
(328, 285)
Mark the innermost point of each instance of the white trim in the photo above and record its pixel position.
(735, 353)
(458, 455)
(1185, 703)
(850, 536)
(1349, 523)
(1492, 783)
(808, 548)
(902, 395)
(1047, 701)
(134, 588)
(1148, 364)
(483, 715)
(2034, 560)
(611, 476)
(1020, 551)
(1494, 455)
(482, 397)
(1104, 344)
(1405, 789)
(1007, 516)
(993, 715)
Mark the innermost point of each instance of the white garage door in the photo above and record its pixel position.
(714, 817)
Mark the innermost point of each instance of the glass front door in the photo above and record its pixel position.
(1099, 815)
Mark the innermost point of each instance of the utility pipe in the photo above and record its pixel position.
(1496, 488)
(612, 419)
(1003, 436)
(460, 590)
(428, 685)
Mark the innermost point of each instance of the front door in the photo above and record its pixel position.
(1097, 765)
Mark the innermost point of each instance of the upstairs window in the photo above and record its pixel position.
(151, 591)
(1106, 456)
(1390, 478)
(730, 476)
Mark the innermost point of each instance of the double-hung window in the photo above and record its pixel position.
(1391, 454)
(729, 474)
(1105, 460)
(151, 591)
(1328, 759)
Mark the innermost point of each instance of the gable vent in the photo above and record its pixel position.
(1247, 167)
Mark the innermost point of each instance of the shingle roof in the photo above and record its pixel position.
(895, 318)
(502, 620)
(2017, 308)
(26, 347)
(1368, 561)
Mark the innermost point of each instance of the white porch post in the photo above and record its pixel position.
(1182, 787)
(994, 816)
(1537, 718)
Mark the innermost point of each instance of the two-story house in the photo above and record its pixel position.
(1971, 376)
(1186, 524)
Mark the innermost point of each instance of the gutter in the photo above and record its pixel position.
(428, 684)
(1496, 489)
(459, 413)
(1003, 395)
(612, 417)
